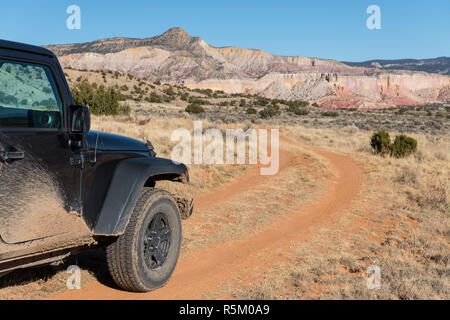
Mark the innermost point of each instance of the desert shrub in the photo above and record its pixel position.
(243, 103)
(381, 142)
(83, 93)
(251, 110)
(124, 109)
(301, 112)
(101, 100)
(167, 98)
(315, 105)
(184, 96)
(332, 114)
(295, 109)
(433, 195)
(270, 111)
(296, 104)
(106, 101)
(262, 101)
(169, 91)
(125, 97)
(206, 92)
(403, 146)
(407, 176)
(197, 100)
(195, 109)
(155, 98)
(138, 90)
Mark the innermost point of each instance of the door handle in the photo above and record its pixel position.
(10, 156)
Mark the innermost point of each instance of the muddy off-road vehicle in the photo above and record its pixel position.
(64, 188)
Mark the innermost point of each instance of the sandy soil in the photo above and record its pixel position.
(201, 272)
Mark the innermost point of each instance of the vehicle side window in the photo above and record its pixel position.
(28, 96)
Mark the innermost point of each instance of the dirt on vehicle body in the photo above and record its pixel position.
(66, 188)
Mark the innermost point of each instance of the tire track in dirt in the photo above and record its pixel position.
(204, 270)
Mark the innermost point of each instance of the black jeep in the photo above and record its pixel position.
(64, 188)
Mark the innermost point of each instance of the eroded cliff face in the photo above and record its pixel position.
(331, 91)
(176, 57)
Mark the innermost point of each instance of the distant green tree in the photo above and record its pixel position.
(381, 142)
(331, 114)
(403, 146)
(270, 111)
(169, 91)
(296, 107)
(101, 100)
(251, 110)
(83, 93)
(155, 98)
(195, 109)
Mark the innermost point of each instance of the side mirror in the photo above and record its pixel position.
(80, 119)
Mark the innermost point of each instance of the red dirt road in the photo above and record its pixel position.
(204, 271)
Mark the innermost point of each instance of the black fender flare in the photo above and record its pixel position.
(128, 181)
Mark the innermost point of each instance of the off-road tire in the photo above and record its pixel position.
(127, 258)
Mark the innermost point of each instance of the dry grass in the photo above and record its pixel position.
(45, 281)
(400, 224)
(159, 130)
(254, 209)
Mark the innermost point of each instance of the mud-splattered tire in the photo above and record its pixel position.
(145, 256)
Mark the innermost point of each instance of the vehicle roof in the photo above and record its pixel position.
(4, 44)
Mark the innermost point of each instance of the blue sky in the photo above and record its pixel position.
(334, 29)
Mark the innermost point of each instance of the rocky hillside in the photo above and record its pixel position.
(176, 57)
(438, 65)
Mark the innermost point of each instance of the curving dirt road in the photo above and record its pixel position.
(205, 270)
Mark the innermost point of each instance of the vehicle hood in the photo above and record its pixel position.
(113, 142)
